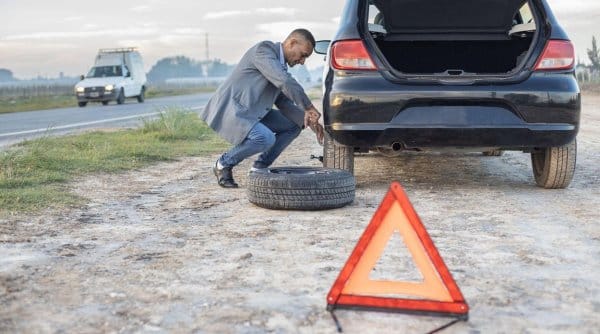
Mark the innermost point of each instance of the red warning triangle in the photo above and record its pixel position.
(436, 294)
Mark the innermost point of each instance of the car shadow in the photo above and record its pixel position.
(445, 170)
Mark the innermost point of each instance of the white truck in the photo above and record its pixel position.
(117, 74)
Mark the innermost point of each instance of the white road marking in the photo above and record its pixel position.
(75, 125)
(68, 126)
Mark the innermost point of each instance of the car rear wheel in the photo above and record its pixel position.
(554, 167)
(142, 95)
(82, 104)
(336, 155)
(301, 188)
(121, 97)
(104, 103)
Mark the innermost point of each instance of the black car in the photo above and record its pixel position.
(485, 75)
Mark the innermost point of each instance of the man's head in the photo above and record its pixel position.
(298, 46)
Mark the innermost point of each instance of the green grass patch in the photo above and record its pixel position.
(315, 93)
(153, 92)
(33, 175)
(17, 104)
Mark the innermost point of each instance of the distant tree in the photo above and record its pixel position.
(217, 68)
(174, 67)
(183, 67)
(6, 75)
(594, 55)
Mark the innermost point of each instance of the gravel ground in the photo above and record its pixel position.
(164, 249)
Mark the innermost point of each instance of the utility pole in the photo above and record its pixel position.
(206, 46)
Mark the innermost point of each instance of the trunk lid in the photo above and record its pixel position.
(435, 16)
(450, 41)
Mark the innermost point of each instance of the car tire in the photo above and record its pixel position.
(493, 153)
(142, 96)
(336, 155)
(121, 97)
(554, 167)
(104, 103)
(82, 104)
(301, 188)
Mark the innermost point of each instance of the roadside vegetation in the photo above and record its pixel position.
(315, 93)
(34, 174)
(154, 91)
(32, 98)
(27, 103)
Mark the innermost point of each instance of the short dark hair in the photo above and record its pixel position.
(307, 35)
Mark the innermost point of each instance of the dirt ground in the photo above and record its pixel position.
(165, 249)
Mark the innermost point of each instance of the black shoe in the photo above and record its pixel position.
(225, 177)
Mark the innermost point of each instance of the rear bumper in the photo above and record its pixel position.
(369, 111)
(368, 136)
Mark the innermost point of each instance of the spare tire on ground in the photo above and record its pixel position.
(301, 188)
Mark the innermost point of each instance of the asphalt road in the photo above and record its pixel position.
(15, 127)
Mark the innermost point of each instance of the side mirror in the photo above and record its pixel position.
(321, 47)
(81, 77)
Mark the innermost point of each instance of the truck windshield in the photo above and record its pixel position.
(105, 71)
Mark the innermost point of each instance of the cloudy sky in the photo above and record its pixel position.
(39, 37)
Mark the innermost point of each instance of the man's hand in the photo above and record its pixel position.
(311, 120)
(311, 116)
(319, 131)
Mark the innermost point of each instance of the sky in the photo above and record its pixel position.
(44, 38)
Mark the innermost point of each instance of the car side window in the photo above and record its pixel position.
(376, 21)
(523, 23)
(525, 13)
(374, 14)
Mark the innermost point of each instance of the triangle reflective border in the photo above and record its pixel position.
(438, 294)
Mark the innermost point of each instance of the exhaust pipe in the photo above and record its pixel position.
(392, 151)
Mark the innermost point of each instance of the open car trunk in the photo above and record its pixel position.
(455, 57)
(462, 37)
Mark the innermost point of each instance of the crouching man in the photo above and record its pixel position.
(241, 111)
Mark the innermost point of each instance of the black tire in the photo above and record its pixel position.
(82, 104)
(554, 167)
(142, 95)
(104, 103)
(301, 188)
(493, 153)
(121, 97)
(336, 155)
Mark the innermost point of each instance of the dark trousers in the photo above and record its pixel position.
(271, 136)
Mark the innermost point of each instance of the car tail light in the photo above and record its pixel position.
(351, 55)
(557, 55)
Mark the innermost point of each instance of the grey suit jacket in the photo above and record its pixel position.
(257, 82)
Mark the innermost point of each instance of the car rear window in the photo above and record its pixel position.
(522, 19)
(412, 16)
